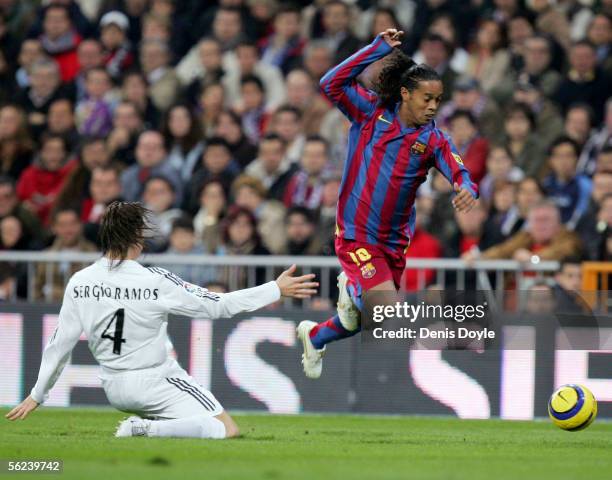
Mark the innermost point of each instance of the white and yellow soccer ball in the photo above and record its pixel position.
(572, 407)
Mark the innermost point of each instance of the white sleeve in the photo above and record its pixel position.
(183, 298)
(57, 352)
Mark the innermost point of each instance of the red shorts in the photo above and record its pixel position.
(368, 265)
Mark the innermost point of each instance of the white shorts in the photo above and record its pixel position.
(160, 393)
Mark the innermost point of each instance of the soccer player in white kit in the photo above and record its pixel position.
(122, 307)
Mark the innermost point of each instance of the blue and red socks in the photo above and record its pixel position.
(330, 331)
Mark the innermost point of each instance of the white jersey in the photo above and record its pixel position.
(124, 311)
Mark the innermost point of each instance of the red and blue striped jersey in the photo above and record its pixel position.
(386, 161)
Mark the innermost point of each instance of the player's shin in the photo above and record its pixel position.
(198, 426)
(330, 331)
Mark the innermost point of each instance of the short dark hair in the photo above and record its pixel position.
(162, 178)
(562, 140)
(64, 209)
(289, 109)
(583, 43)
(217, 142)
(463, 114)
(299, 210)
(123, 225)
(524, 109)
(569, 260)
(252, 79)
(318, 139)
(272, 137)
(183, 223)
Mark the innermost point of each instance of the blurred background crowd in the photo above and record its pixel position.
(210, 113)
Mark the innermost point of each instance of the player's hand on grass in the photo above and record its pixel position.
(463, 201)
(296, 287)
(392, 36)
(22, 410)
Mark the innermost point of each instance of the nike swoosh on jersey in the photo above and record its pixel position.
(383, 119)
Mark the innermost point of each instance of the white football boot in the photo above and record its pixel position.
(312, 358)
(133, 427)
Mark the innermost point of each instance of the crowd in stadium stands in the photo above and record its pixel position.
(210, 113)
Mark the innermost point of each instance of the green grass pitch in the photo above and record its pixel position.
(313, 447)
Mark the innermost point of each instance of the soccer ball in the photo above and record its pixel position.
(572, 407)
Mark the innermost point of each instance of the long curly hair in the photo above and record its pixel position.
(401, 71)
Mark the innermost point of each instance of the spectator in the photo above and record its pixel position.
(75, 190)
(163, 82)
(500, 168)
(600, 35)
(489, 60)
(118, 54)
(598, 142)
(568, 283)
(304, 95)
(272, 167)
(13, 235)
(283, 48)
(305, 189)
(11, 206)
(217, 164)
(183, 135)
(287, 124)
(436, 54)
(545, 238)
(68, 232)
(208, 219)
(537, 69)
(548, 120)
(248, 64)
(150, 161)
(229, 128)
(472, 147)
(570, 192)
(584, 81)
(249, 193)
(94, 114)
(8, 282)
(60, 40)
(183, 241)
(89, 55)
(337, 34)
(40, 183)
(135, 90)
(551, 20)
(595, 224)
(300, 231)
(469, 237)
(127, 127)
(502, 220)
(44, 89)
(227, 27)
(578, 120)
(30, 51)
(104, 189)
(159, 197)
(16, 145)
(240, 237)
(326, 228)
(522, 140)
(252, 107)
(520, 28)
(210, 56)
(318, 59)
(467, 95)
(61, 121)
(212, 100)
(444, 26)
(80, 22)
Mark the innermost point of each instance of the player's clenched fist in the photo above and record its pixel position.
(463, 201)
(22, 410)
(296, 287)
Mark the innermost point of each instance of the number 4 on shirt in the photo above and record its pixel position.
(116, 337)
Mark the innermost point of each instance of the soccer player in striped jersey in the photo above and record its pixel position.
(393, 142)
(122, 309)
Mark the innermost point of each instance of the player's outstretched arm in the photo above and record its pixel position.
(340, 84)
(183, 298)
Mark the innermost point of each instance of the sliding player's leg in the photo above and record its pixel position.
(364, 267)
(169, 403)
